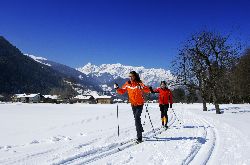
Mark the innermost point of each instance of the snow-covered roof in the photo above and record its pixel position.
(51, 96)
(96, 95)
(82, 97)
(25, 95)
(31, 95)
(20, 95)
(118, 100)
(103, 97)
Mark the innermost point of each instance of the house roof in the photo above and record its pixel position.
(83, 97)
(50, 96)
(20, 95)
(24, 95)
(118, 100)
(31, 95)
(103, 97)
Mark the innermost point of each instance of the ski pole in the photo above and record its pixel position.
(146, 104)
(144, 123)
(149, 116)
(150, 119)
(176, 116)
(117, 112)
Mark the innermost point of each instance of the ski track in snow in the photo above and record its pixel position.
(200, 145)
(200, 151)
(197, 137)
(98, 153)
(53, 150)
(203, 146)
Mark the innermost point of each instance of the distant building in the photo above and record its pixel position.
(51, 99)
(103, 99)
(118, 101)
(84, 99)
(1, 97)
(27, 98)
(19, 98)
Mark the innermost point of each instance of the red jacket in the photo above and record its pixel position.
(135, 92)
(165, 95)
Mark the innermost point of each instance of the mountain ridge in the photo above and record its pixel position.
(112, 72)
(20, 73)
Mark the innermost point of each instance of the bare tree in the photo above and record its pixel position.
(202, 63)
(241, 79)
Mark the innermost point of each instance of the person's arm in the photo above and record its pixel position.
(122, 90)
(151, 89)
(145, 88)
(156, 90)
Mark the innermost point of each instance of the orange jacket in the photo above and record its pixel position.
(165, 95)
(135, 92)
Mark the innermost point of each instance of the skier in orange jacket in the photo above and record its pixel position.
(135, 89)
(165, 101)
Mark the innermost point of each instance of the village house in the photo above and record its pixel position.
(27, 98)
(51, 99)
(118, 101)
(18, 98)
(1, 97)
(103, 99)
(84, 99)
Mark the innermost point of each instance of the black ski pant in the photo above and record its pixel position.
(164, 111)
(137, 110)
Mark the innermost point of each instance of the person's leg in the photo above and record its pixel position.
(162, 114)
(137, 110)
(166, 114)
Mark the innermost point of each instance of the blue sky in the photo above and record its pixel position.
(131, 32)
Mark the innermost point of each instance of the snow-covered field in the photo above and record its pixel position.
(82, 134)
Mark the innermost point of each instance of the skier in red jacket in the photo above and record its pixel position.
(165, 101)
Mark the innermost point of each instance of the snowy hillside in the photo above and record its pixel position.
(109, 72)
(39, 59)
(21, 74)
(106, 74)
(52, 134)
(84, 81)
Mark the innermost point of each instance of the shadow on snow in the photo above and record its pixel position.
(199, 139)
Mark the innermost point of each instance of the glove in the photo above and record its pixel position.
(170, 105)
(116, 86)
(151, 89)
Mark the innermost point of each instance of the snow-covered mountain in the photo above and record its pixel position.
(80, 79)
(39, 59)
(102, 77)
(21, 74)
(107, 73)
